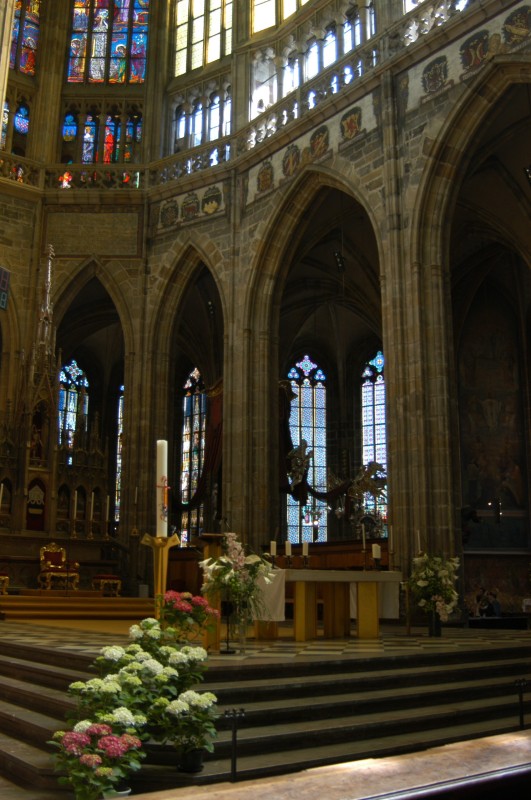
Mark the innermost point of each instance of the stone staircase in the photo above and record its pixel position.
(60, 604)
(296, 715)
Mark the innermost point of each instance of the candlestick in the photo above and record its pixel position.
(162, 487)
(136, 495)
(390, 538)
(288, 549)
(418, 542)
(273, 548)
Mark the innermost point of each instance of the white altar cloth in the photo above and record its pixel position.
(274, 593)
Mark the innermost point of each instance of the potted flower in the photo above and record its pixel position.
(233, 576)
(188, 723)
(186, 615)
(96, 759)
(432, 585)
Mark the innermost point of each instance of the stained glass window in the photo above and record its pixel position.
(119, 430)
(192, 451)
(108, 41)
(204, 33)
(73, 403)
(329, 48)
(90, 139)
(21, 121)
(25, 36)
(69, 128)
(3, 130)
(308, 425)
(373, 424)
(133, 135)
(265, 12)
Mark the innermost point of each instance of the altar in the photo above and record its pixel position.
(346, 594)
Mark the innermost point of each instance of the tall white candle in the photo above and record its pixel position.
(162, 487)
(136, 495)
(376, 551)
(273, 547)
(92, 506)
(74, 515)
(363, 535)
(288, 549)
(305, 548)
(418, 542)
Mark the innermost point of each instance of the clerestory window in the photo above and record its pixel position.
(308, 523)
(108, 41)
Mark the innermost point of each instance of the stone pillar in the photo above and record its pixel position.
(46, 117)
(416, 313)
(6, 27)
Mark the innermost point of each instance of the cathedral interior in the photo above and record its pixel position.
(266, 232)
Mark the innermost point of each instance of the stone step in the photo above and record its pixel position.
(294, 719)
(48, 675)
(402, 676)
(322, 706)
(266, 763)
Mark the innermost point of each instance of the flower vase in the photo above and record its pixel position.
(192, 760)
(434, 624)
(242, 635)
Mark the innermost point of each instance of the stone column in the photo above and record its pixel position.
(46, 117)
(6, 27)
(416, 313)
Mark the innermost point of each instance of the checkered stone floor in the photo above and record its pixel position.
(394, 640)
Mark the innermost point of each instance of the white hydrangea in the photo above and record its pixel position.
(153, 666)
(178, 657)
(170, 672)
(191, 697)
(177, 707)
(82, 725)
(149, 622)
(195, 653)
(122, 716)
(114, 653)
(135, 632)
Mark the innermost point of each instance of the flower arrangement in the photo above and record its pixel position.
(432, 584)
(95, 758)
(187, 615)
(129, 700)
(234, 576)
(188, 722)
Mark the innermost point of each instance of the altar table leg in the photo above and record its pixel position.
(305, 615)
(265, 630)
(336, 597)
(368, 612)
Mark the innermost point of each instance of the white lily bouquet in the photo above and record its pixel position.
(234, 577)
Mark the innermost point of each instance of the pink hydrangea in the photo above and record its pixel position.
(74, 742)
(112, 746)
(92, 760)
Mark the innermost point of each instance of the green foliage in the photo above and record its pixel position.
(95, 758)
(432, 584)
(143, 692)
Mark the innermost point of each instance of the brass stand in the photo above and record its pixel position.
(160, 546)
